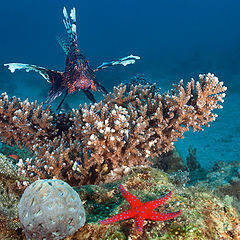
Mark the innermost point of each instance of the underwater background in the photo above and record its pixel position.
(175, 40)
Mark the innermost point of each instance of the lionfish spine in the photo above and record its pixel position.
(70, 27)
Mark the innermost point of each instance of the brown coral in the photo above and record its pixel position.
(126, 128)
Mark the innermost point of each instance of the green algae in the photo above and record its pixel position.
(115, 236)
(182, 232)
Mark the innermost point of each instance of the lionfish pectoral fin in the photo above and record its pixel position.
(54, 77)
(89, 95)
(57, 87)
(131, 59)
(49, 75)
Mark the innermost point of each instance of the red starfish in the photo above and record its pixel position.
(141, 211)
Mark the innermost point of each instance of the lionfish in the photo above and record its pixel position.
(78, 74)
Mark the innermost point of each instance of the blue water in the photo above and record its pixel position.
(175, 39)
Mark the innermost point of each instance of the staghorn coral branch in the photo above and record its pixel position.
(128, 127)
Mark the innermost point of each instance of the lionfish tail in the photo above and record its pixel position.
(70, 27)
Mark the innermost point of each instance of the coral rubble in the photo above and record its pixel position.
(127, 128)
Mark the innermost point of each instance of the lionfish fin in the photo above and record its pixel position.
(131, 59)
(63, 44)
(89, 96)
(101, 88)
(70, 27)
(28, 67)
(59, 106)
(54, 77)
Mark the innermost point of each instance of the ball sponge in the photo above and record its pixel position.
(50, 209)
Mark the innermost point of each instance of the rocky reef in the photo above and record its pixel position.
(205, 214)
(114, 142)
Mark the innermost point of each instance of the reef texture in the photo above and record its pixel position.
(11, 187)
(128, 127)
(225, 178)
(50, 209)
(204, 216)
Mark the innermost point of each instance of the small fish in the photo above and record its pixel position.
(14, 156)
(126, 136)
(78, 74)
(75, 166)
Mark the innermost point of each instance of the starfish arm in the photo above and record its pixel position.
(139, 223)
(156, 216)
(121, 216)
(155, 203)
(133, 201)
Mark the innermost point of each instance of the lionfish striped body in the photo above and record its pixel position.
(77, 75)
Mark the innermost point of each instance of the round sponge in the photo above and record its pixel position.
(50, 209)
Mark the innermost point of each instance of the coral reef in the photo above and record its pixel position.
(205, 215)
(196, 172)
(11, 187)
(142, 211)
(127, 128)
(8, 150)
(225, 180)
(170, 162)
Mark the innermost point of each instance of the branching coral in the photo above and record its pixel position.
(126, 128)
